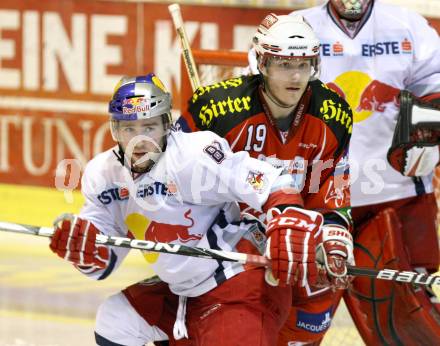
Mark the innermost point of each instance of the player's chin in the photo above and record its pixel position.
(140, 162)
(291, 97)
(141, 167)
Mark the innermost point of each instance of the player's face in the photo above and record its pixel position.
(140, 138)
(350, 9)
(287, 78)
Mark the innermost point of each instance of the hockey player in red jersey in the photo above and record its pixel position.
(370, 51)
(286, 116)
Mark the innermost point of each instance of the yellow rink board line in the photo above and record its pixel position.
(36, 205)
(39, 316)
(39, 206)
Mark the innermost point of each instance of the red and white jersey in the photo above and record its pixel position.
(189, 197)
(393, 49)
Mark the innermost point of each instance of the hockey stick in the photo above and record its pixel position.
(384, 274)
(395, 275)
(147, 245)
(188, 58)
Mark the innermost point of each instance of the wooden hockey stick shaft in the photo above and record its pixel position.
(188, 58)
(384, 274)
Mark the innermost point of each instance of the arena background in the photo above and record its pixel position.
(59, 61)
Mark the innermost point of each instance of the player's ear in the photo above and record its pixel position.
(261, 64)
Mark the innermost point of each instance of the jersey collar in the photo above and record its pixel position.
(298, 114)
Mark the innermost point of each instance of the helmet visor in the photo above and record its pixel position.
(287, 68)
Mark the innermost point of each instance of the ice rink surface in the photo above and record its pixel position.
(45, 302)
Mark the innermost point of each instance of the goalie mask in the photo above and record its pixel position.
(140, 111)
(351, 10)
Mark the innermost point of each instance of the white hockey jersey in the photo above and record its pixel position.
(189, 197)
(395, 49)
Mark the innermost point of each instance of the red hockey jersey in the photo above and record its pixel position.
(313, 150)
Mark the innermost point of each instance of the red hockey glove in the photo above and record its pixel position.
(74, 241)
(291, 246)
(333, 254)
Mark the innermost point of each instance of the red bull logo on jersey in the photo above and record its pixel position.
(364, 95)
(142, 228)
(166, 233)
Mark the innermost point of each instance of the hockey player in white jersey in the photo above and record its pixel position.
(370, 51)
(164, 185)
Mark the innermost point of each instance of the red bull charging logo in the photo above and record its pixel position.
(140, 227)
(364, 95)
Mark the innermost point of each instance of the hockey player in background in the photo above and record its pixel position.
(164, 185)
(287, 117)
(370, 51)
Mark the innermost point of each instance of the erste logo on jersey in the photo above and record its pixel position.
(144, 190)
(333, 49)
(156, 188)
(113, 194)
(394, 47)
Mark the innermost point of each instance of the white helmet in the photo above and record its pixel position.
(287, 36)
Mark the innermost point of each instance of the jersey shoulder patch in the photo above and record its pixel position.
(222, 106)
(187, 147)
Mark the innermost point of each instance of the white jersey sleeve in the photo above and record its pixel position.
(213, 174)
(424, 75)
(94, 211)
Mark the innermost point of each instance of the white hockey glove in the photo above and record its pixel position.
(333, 254)
(420, 162)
